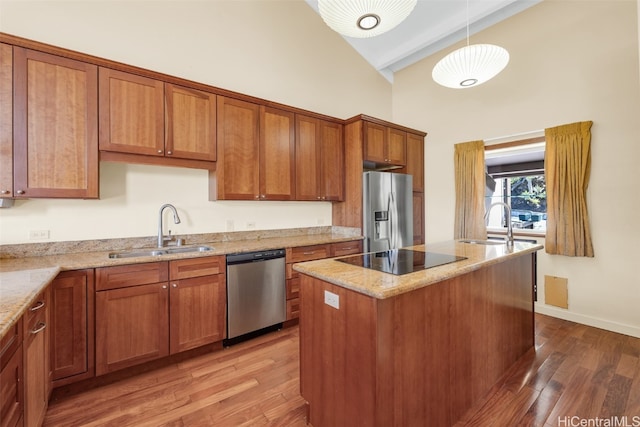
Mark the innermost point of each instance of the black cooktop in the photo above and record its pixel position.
(400, 261)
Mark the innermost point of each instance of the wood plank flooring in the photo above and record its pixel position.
(574, 371)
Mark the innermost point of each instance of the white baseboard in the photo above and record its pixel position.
(608, 325)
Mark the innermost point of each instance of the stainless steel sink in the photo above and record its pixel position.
(159, 251)
(483, 242)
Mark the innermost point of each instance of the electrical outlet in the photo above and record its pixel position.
(230, 225)
(38, 234)
(251, 225)
(332, 299)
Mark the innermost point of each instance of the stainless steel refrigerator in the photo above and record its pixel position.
(387, 209)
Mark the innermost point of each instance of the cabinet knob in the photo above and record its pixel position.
(262, 196)
(169, 152)
(20, 191)
(6, 191)
(164, 286)
(174, 285)
(159, 151)
(257, 197)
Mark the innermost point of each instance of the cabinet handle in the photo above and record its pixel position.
(20, 192)
(308, 253)
(6, 191)
(174, 285)
(38, 306)
(39, 328)
(169, 152)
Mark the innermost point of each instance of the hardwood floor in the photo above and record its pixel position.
(574, 371)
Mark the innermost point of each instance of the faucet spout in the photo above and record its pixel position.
(507, 209)
(176, 220)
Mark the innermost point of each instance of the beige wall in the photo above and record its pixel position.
(567, 64)
(276, 50)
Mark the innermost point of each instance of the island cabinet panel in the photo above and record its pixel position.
(6, 120)
(131, 113)
(72, 327)
(55, 129)
(428, 354)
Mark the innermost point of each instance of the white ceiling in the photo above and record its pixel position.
(432, 26)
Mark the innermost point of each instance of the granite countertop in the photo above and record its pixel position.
(23, 278)
(385, 285)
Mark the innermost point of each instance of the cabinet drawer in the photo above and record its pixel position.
(293, 308)
(10, 342)
(196, 267)
(123, 276)
(308, 253)
(346, 248)
(293, 288)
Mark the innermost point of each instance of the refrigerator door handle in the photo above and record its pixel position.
(390, 220)
(393, 221)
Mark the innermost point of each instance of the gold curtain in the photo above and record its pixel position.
(470, 188)
(567, 166)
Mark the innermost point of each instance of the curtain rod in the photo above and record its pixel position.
(515, 137)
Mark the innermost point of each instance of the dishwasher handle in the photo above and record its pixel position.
(257, 256)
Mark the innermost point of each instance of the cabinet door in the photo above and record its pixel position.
(55, 126)
(190, 123)
(132, 326)
(418, 218)
(11, 377)
(6, 120)
(36, 366)
(397, 147)
(308, 162)
(72, 326)
(415, 160)
(131, 113)
(277, 149)
(332, 169)
(237, 172)
(375, 142)
(197, 312)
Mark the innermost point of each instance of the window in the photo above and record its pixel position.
(515, 176)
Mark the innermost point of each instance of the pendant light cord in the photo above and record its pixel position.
(467, 22)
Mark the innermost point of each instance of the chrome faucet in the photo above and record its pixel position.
(509, 225)
(176, 220)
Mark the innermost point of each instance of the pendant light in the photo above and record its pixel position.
(364, 18)
(471, 65)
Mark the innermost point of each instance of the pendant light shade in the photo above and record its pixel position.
(470, 66)
(364, 18)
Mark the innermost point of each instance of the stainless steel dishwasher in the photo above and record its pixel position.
(256, 293)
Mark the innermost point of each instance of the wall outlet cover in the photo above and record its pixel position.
(332, 299)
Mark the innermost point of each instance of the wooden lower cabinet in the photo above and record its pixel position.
(36, 361)
(138, 321)
(11, 377)
(310, 253)
(72, 327)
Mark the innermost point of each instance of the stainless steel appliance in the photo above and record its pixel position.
(256, 292)
(387, 207)
(400, 261)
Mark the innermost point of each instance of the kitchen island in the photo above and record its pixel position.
(378, 349)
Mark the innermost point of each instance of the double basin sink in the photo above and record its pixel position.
(159, 251)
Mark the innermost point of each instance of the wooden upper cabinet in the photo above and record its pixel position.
(384, 145)
(6, 120)
(131, 113)
(190, 125)
(319, 159)
(277, 154)
(415, 160)
(237, 176)
(55, 129)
